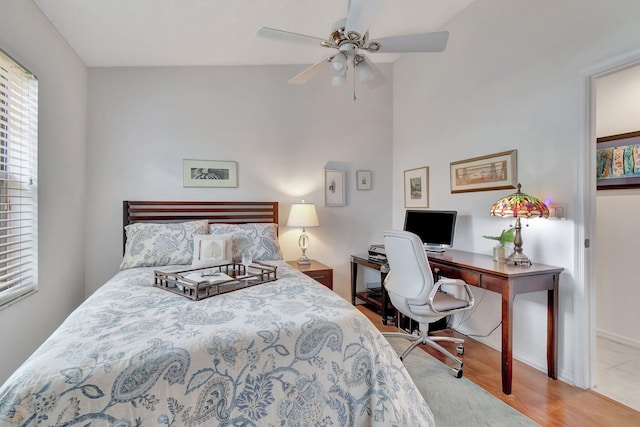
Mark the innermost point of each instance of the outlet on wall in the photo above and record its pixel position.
(557, 210)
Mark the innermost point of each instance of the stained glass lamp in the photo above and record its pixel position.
(519, 205)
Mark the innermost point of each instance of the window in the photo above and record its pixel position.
(18, 181)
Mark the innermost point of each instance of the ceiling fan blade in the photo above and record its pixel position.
(288, 36)
(427, 42)
(361, 15)
(310, 72)
(369, 74)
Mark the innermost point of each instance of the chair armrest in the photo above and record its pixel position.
(445, 281)
(448, 281)
(454, 282)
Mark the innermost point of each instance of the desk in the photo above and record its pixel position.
(509, 281)
(364, 261)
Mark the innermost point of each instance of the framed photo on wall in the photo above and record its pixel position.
(416, 188)
(334, 194)
(363, 180)
(209, 173)
(492, 172)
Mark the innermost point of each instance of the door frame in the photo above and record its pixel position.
(584, 360)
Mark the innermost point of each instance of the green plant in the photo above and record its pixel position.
(507, 236)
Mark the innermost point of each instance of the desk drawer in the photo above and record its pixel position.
(455, 273)
(493, 284)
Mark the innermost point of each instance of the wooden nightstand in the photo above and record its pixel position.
(316, 270)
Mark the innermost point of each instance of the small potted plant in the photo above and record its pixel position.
(507, 236)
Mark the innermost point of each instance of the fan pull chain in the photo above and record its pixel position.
(354, 83)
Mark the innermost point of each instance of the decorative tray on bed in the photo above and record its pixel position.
(200, 283)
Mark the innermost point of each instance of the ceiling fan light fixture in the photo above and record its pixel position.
(339, 64)
(365, 72)
(350, 36)
(338, 81)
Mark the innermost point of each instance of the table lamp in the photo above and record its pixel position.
(519, 205)
(303, 215)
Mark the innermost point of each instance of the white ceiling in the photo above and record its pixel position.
(108, 33)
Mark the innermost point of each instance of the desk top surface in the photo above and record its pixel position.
(482, 263)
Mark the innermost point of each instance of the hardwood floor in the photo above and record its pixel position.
(547, 402)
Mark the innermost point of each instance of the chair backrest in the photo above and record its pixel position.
(410, 275)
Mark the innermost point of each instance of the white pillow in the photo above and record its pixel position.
(153, 244)
(261, 239)
(211, 249)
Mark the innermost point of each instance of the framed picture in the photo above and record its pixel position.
(363, 180)
(416, 188)
(493, 172)
(618, 161)
(334, 187)
(209, 173)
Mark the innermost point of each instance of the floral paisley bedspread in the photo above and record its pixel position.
(285, 353)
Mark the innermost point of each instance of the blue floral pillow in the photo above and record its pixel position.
(259, 238)
(152, 244)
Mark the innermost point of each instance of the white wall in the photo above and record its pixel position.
(617, 232)
(28, 37)
(510, 78)
(143, 121)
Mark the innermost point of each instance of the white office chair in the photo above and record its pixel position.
(413, 293)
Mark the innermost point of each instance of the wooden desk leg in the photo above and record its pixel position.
(507, 338)
(552, 329)
(385, 298)
(354, 278)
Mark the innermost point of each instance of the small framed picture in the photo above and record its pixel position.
(363, 180)
(209, 173)
(334, 194)
(416, 188)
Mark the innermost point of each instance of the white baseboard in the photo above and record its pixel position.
(618, 339)
(522, 356)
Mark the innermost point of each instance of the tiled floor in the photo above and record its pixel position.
(618, 372)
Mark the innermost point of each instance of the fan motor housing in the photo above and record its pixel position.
(339, 37)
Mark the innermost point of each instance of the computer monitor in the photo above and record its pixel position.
(435, 228)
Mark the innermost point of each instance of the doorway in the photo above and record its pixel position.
(611, 289)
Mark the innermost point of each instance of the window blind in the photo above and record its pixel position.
(18, 181)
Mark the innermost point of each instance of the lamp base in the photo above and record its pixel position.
(518, 259)
(303, 242)
(303, 260)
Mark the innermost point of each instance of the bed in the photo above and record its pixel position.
(287, 352)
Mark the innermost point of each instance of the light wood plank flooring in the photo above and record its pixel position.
(548, 402)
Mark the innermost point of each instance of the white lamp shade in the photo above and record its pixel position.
(339, 64)
(337, 81)
(303, 215)
(365, 72)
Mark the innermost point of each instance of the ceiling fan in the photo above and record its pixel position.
(350, 37)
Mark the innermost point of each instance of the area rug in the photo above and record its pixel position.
(456, 401)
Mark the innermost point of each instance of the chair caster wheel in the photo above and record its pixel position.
(460, 349)
(457, 372)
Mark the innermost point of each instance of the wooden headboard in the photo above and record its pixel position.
(226, 212)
